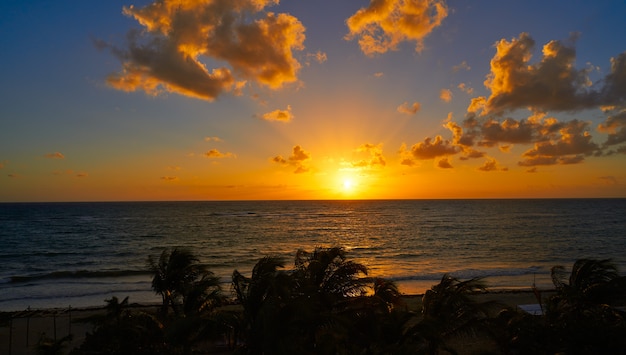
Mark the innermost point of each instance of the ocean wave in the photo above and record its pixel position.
(80, 274)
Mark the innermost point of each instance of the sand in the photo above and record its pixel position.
(20, 331)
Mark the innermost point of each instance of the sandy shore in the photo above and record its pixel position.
(20, 331)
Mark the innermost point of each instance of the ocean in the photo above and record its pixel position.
(57, 255)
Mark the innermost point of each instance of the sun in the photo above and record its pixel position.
(348, 184)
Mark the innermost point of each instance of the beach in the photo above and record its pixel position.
(21, 331)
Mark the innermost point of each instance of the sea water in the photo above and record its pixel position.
(79, 254)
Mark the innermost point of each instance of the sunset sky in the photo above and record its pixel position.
(318, 99)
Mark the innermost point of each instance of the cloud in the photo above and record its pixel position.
(3, 164)
(379, 75)
(466, 89)
(213, 139)
(552, 84)
(569, 145)
(491, 165)
(508, 131)
(374, 156)
(409, 109)
(55, 155)
(318, 56)
(469, 153)
(461, 137)
(167, 55)
(429, 149)
(553, 142)
(297, 159)
(614, 90)
(81, 175)
(216, 154)
(444, 163)
(14, 176)
(384, 24)
(462, 66)
(615, 127)
(170, 178)
(445, 95)
(279, 115)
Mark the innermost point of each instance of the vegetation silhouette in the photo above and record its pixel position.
(327, 304)
(183, 283)
(449, 312)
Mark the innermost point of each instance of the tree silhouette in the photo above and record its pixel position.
(448, 312)
(582, 314)
(182, 281)
(263, 297)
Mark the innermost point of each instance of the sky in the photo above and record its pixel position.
(325, 99)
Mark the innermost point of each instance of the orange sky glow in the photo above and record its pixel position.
(269, 99)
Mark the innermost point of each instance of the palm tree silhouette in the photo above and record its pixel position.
(447, 312)
(179, 278)
(582, 314)
(326, 271)
(263, 297)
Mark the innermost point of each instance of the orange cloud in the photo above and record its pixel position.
(553, 83)
(444, 163)
(491, 165)
(170, 178)
(445, 95)
(297, 159)
(429, 149)
(569, 145)
(615, 127)
(409, 109)
(462, 66)
(374, 156)
(167, 55)
(469, 153)
(466, 89)
(213, 139)
(214, 153)
(383, 25)
(318, 56)
(279, 115)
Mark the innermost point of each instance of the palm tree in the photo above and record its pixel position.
(582, 313)
(590, 282)
(326, 271)
(372, 323)
(447, 312)
(263, 297)
(327, 290)
(176, 275)
(203, 295)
